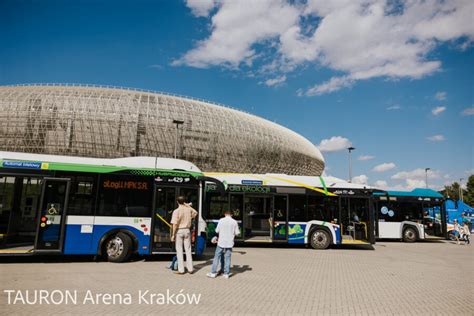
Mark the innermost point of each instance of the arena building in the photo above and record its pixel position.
(110, 122)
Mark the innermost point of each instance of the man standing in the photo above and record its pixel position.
(181, 232)
(227, 228)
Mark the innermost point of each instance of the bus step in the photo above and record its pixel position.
(355, 242)
(16, 250)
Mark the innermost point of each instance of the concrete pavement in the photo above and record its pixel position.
(394, 278)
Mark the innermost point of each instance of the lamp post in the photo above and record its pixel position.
(350, 149)
(178, 123)
(426, 176)
(461, 197)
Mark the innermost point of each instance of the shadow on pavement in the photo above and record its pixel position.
(239, 269)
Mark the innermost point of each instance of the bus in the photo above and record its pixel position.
(106, 207)
(410, 215)
(275, 208)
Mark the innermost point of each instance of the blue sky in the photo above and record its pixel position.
(393, 79)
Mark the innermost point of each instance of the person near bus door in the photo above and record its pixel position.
(182, 219)
(227, 228)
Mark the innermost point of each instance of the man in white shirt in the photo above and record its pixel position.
(227, 228)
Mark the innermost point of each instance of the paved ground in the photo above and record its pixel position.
(396, 278)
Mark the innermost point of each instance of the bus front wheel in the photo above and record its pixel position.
(409, 235)
(118, 247)
(320, 239)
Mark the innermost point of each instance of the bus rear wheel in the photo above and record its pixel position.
(118, 248)
(320, 239)
(409, 235)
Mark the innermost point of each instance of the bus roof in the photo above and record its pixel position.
(271, 179)
(415, 192)
(93, 164)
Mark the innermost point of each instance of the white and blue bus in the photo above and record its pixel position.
(276, 208)
(410, 215)
(109, 207)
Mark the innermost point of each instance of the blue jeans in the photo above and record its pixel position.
(222, 255)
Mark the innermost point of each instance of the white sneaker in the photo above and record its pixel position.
(226, 276)
(211, 275)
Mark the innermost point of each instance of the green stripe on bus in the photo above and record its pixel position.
(62, 166)
(324, 185)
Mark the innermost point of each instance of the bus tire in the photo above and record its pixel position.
(320, 239)
(118, 247)
(409, 235)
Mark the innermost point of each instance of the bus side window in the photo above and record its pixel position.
(217, 206)
(237, 205)
(81, 196)
(318, 209)
(125, 196)
(298, 208)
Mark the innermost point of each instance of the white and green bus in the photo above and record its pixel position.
(276, 208)
(110, 207)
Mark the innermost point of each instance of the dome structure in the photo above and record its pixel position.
(110, 122)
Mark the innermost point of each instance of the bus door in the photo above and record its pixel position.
(191, 195)
(280, 217)
(236, 207)
(19, 202)
(257, 220)
(355, 219)
(432, 219)
(165, 204)
(52, 215)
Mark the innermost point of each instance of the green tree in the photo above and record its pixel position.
(452, 191)
(469, 195)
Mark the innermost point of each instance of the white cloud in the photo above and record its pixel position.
(436, 138)
(362, 179)
(333, 84)
(440, 95)
(236, 27)
(438, 110)
(359, 39)
(408, 185)
(335, 143)
(381, 184)
(275, 81)
(418, 174)
(415, 183)
(468, 111)
(393, 108)
(384, 167)
(201, 8)
(365, 157)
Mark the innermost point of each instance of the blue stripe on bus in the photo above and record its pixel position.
(88, 243)
(77, 243)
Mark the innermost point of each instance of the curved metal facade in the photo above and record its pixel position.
(107, 122)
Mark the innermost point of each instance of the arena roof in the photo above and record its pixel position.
(111, 122)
